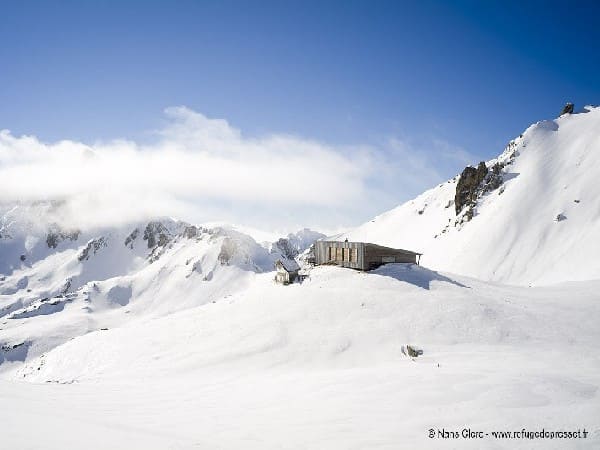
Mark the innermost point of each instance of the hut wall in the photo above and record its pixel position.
(374, 256)
(282, 277)
(359, 255)
(345, 254)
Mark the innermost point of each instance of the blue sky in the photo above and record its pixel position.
(438, 77)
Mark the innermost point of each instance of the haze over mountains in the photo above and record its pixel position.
(191, 313)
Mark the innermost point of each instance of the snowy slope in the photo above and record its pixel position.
(337, 318)
(514, 237)
(58, 285)
(166, 335)
(319, 365)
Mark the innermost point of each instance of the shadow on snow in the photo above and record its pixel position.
(414, 274)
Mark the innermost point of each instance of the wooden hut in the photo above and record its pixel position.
(287, 271)
(361, 255)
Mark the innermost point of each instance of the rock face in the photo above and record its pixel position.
(468, 186)
(286, 248)
(567, 109)
(156, 234)
(56, 235)
(473, 183)
(191, 231)
(92, 247)
(494, 178)
(295, 243)
(131, 238)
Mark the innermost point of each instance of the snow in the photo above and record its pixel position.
(319, 364)
(555, 171)
(162, 335)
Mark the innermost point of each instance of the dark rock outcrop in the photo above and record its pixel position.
(156, 234)
(493, 179)
(91, 248)
(473, 183)
(56, 235)
(568, 109)
(66, 286)
(468, 186)
(132, 237)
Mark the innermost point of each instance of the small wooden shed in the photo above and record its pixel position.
(287, 271)
(361, 255)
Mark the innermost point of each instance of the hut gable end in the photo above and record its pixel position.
(287, 271)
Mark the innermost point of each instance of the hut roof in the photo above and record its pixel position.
(288, 265)
(410, 252)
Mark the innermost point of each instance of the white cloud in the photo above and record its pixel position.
(202, 169)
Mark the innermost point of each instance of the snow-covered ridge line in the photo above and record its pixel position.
(98, 319)
(538, 223)
(107, 277)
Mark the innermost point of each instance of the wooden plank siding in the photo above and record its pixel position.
(360, 255)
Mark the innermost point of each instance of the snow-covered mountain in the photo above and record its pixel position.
(76, 281)
(120, 325)
(296, 243)
(312, 364)
(530, 216)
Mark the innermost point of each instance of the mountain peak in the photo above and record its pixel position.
(502, 226)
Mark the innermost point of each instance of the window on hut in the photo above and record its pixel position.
(348, 255)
